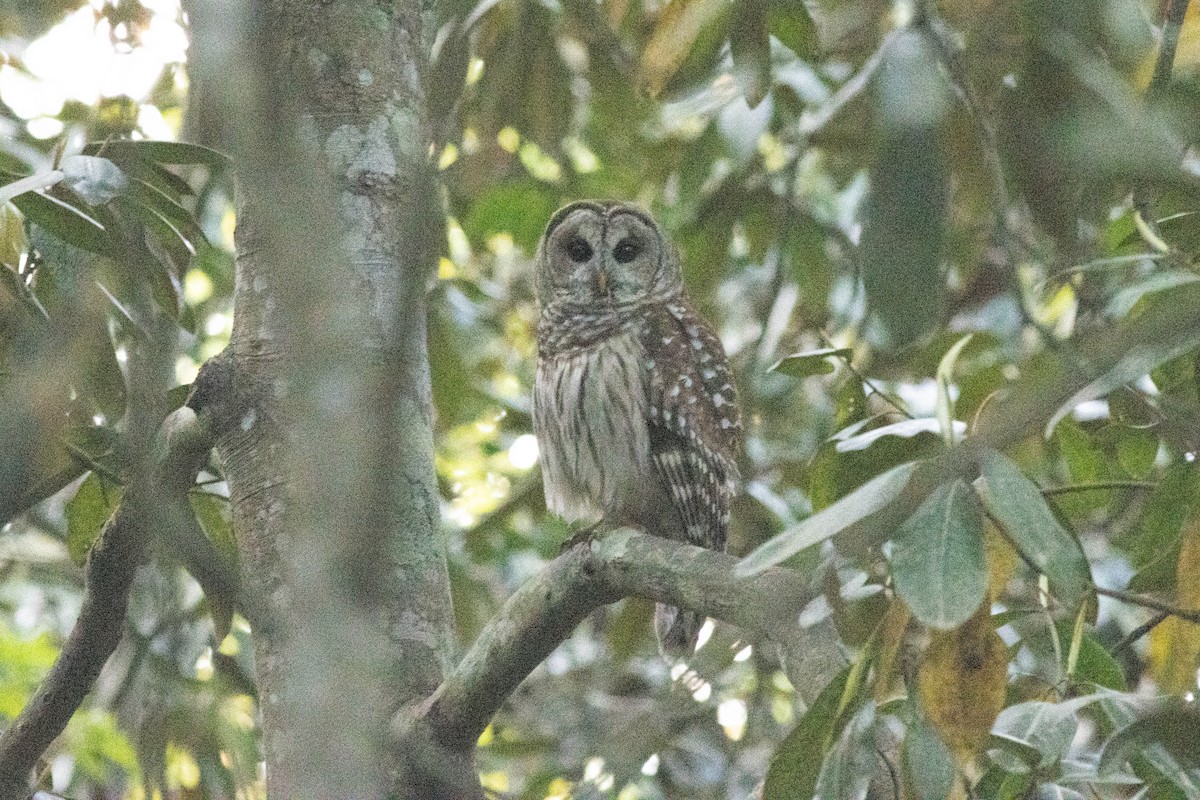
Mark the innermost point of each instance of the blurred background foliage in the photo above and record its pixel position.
(856, 186)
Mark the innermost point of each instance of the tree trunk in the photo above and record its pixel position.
(330, 457)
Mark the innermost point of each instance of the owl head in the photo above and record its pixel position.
(604, 253)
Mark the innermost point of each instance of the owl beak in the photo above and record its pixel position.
(602, 282)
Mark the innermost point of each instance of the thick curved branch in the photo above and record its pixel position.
(109, 573)
(539, 615)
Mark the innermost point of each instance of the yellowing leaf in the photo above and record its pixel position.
(891, 639)
(961, 680)
(1175, 643)
(674, 34)
(1001, 559)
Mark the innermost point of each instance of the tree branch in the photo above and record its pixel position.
(111, 565)
(623, 563)
(1190, 614)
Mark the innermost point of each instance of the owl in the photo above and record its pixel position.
(634, 408)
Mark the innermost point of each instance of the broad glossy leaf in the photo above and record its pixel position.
(179, 218)
(904, 220)
(750, 42)
(92, 505)
(1042, 731)
(159, 152)
(1018, 503)
(212, 512)
(811, 362)
(1173, 725)
(1093, 663)
(850, 763)
(861, 503)
(938, 564)
(1123, 710)
(1141, 358)
(676, 31)
(67, 222)
(1153, 544)
(796, 764)
(792, 24)
(962, 679)
(928, 764)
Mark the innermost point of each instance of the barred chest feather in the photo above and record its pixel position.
(590, 415)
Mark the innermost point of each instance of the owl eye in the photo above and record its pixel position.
(626, 250)
(579, 250)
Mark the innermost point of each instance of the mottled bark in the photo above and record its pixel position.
(330, 464)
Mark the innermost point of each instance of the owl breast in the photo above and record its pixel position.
(589, 414)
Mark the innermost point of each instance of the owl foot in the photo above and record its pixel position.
(582, 536)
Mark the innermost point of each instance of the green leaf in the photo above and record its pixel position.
(1041, 731)
(928, 764)
(1093, 664)
(938, 565)
(68, 223)
(791, 23)
(859, 504)
(945, 376)
(1018, 503)
(850, 764)
(904, 218)
(1137, 450)
(182, 223)
(92, 505)
(159, 152)
(1136, 362)
(1173, 725)
(811, 362)
(750, 42)
(796, 764)
(212, 512)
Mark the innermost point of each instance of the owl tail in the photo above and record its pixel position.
(677, 630)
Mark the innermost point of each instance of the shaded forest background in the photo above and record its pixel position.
(894, 214)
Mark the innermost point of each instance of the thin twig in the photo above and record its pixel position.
(1191, 615)
(1143, 204)
(1139, 632)
(891, 770)
(813, 121)
(1172, 24)
(894, 403)
(80, 455)
(1097, 486)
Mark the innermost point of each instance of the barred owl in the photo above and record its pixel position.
(633, 406)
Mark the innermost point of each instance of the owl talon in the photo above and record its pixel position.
(582, 536)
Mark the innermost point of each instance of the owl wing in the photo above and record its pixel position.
(695, 426)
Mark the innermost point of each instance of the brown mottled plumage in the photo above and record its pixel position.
(634, 407)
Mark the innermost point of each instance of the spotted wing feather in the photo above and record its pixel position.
(694, 421)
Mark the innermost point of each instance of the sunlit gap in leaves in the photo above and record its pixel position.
(103, 62)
